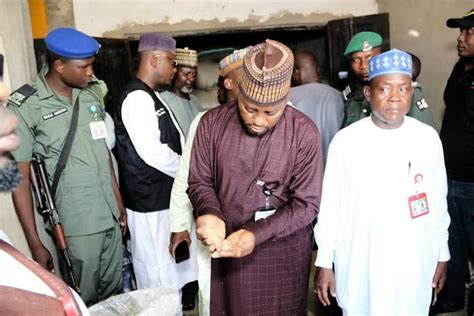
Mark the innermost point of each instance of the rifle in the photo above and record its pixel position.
(45, 206)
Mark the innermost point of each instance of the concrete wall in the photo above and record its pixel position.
(59, 13)
(131, 17)
(419, 26)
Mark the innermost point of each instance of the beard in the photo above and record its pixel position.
(186, 90)
(10, 176)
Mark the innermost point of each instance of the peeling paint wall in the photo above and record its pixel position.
(110, 18)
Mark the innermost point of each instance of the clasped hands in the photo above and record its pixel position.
(211, 231)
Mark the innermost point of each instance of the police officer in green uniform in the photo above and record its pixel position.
(362, 47)
(87, 196)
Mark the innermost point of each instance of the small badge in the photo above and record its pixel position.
(418, 178)
(98, 130)
(264, 214)
(421, 104)
(418, 205)
(96, 112)
(366, 46)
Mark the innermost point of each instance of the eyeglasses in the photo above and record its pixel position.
(173, 61)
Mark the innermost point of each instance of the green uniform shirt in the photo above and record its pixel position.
(85, 199)
(357, 106)
(419, 108)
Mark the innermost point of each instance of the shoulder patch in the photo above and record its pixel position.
(19, 96)
(421, 104)
(347, 90)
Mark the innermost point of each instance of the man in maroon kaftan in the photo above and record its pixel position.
(261, 260)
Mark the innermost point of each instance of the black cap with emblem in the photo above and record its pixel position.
(466, 21)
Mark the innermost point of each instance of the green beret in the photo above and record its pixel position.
(362, 42)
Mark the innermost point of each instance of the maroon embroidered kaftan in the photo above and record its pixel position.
(226, 163)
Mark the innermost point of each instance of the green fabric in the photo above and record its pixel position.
(363, 41)
(424, 115)
(97, 262)
(357, 107)
(85, 199)
(184, 110)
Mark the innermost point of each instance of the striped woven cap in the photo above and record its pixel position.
(266, 75)
(233, 61)
(186, 57)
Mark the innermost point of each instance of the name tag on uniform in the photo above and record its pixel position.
(98, 130)
(264, 214)
(418, 205)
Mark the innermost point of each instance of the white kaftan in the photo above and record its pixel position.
(384, 259)
(181, 219)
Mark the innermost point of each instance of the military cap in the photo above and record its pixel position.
(362, 42)
(266, 73)
(186, 57)
(156, 41)
(71, 44)
(232, 61)
(392, 62)
(466, 21)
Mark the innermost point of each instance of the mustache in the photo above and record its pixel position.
(10, 176)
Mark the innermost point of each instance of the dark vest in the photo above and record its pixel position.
(144, 188)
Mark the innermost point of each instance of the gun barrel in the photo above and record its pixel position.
(45, 205)
(72, 279)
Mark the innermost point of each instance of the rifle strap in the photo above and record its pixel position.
(63, 157)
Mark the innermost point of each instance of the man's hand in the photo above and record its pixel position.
(43, 257)
(324, 283)
(439, 277)
(210, 230)
(239, 244)
(176, 238)
(123, 220)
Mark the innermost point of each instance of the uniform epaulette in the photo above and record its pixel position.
(19, 96)
(346, 92)
(421, 104)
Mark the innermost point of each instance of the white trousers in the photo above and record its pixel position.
(152, 262)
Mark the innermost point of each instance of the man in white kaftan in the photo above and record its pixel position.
(149, 145)
(383, 219)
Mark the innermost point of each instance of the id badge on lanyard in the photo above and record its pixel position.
(417, 203)
(98, 128)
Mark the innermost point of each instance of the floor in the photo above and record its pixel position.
(314, 306)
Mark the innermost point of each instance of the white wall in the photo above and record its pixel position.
(118, 18)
